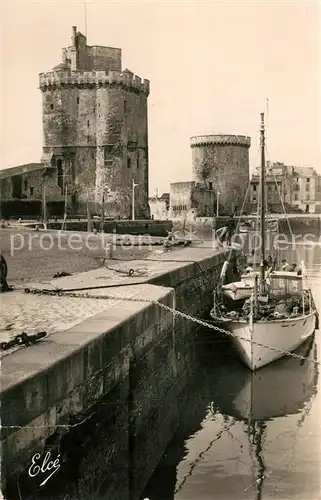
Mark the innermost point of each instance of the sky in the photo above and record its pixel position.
(212, 67)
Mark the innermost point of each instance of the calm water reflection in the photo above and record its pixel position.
(243, 435)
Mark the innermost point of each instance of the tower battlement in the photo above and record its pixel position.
(88, 79)
(232, 140)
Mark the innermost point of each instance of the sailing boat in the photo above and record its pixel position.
(277, 312)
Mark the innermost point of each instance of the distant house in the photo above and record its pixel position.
(289, 187)
(190, 199)
(159, 206)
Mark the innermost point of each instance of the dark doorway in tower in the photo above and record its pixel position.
(74, 202)
(16, 182)
(60, 174)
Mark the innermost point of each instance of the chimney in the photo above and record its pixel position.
(74, 36)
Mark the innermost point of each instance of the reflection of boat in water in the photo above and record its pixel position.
(278, 389)
(286, 387)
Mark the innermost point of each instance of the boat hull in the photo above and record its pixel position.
(286, 335)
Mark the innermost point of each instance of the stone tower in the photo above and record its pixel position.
(222, 161)
(95, 129)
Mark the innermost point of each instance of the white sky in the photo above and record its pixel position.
(211, 66)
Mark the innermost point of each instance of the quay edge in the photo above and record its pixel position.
(104, 394)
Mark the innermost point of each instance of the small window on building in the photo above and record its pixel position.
(210, 186)
(308, 179)
(87, 123)
(31, 191)
(254, 198)
(92, 155)
(296, 197)
(128, 163)
(108, 159)
(25, 185)
(77, 100)
(94, 110)
(51, 106)
(254, 187)
(125, 106)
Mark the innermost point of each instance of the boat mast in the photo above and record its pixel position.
(262, 198)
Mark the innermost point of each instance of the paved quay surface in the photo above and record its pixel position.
(32, 313)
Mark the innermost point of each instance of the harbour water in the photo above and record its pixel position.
(248, 436)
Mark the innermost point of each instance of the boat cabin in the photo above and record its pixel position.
(284, 283)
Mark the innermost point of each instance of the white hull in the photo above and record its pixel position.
(285, 334)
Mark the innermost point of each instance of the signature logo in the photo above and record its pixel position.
(47, 465)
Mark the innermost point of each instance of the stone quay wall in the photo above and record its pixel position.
(104, 394)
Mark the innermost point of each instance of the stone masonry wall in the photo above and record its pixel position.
(108, 399)
(224, 163)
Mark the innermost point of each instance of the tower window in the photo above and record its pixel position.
(60, 175)
(94, 110)
(51, 106)
(128, 163)
(77, 100)
(31, 191)
(210, 186)
(109, 156)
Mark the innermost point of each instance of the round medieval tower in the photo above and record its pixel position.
(95, 129)
(221, 162)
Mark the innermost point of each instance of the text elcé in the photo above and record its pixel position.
(41, 467)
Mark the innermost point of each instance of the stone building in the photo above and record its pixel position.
(295, 189)
(189, 200)
(221, 163)
(95, 133)
(159, 206)
(22, 189)
(279, 187)
(306, 189)
(95, 128)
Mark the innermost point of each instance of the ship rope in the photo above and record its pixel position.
(175, 312)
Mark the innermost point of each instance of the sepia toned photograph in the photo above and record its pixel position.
(160, 250)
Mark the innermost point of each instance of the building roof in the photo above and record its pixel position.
(20, 169)
(305, 172)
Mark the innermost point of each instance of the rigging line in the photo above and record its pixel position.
(242, 209)
(201, 454)
(281, 200)
(277, 462)
(85, 5)
(239, 219)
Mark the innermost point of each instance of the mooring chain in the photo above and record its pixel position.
(175, 312)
